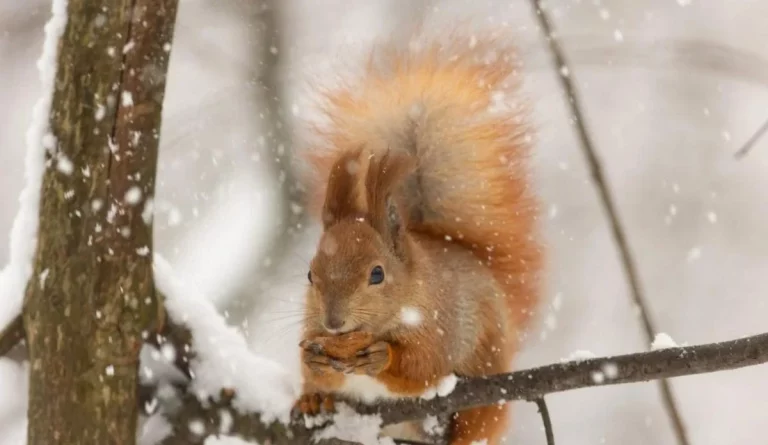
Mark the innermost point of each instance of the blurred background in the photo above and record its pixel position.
(670, 89)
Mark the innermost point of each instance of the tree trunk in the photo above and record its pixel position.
(91, 302)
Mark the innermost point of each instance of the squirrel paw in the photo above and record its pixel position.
(323, 356)
(319, 363)
(372, 360)
(338, 346)
(313, 404)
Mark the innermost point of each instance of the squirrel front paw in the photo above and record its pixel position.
(372, 360)
(338, 346)
(317, 359)
(353, 353)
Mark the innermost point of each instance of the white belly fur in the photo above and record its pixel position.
(368, 390)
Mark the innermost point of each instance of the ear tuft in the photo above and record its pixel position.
(345, 195)
(367, 185)
(386, 172)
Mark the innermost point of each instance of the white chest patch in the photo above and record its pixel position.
(365, 388)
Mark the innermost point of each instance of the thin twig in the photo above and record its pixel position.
(752, 141)
(619, 235)
(530, 384)
(11, 335)
(542, 405)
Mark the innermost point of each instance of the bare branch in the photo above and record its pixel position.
(617, 230)
(531, 384)
(745, 149)
(547, 421)
(11, 335)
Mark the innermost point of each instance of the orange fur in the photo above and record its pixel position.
(418, 175)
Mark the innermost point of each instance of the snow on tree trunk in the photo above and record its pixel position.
(91, 298)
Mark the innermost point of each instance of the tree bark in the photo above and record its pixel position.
(91, 301)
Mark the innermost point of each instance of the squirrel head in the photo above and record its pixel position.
(359, 274)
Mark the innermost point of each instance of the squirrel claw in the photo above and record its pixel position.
(338, 365)
(314, 404)
(372, 360)
(320, 363)
(313, 347)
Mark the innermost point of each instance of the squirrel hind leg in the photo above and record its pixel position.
(486, 425)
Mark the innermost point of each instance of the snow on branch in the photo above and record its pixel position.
(195, 421)
(222, 361)
(14, 277)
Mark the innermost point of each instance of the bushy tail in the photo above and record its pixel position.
(455, 106)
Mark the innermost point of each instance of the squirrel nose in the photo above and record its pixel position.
(333, 323)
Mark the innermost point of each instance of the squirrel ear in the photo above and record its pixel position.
(345, 194)
(394, 228)
(385, 174)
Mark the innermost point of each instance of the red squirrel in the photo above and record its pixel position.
(429, 261)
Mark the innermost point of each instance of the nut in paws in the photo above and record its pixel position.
(349, 354)
(339, 346)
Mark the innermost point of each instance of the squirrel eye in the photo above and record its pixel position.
(377, 275)
(309, 276)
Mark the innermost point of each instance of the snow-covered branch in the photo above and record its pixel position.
(222, 359)
(195, 421)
